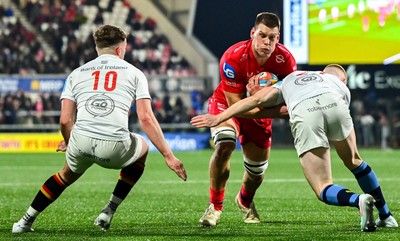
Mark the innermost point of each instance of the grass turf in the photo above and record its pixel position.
(162, 207)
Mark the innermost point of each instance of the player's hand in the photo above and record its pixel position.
(253, 85)
(62, 146)
(205, 120)
(284, 111)
(176, 165)
(279, 111)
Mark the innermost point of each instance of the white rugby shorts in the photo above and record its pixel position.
(317, 120)
(83, 151)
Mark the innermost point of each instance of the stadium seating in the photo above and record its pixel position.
(66, 27)
(66, 43)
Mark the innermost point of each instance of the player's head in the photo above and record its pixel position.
(110, 39)
(270, 20)
(265, 33)
(337, 70)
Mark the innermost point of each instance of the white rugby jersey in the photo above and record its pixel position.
(301, 85)
(104, 90)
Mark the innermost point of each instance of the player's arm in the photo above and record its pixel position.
(67, 120)
(232, 98)
(277, 111)
(152, 128)
(266, 97)
(269, 110)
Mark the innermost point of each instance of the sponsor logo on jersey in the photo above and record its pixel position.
(326, 107)
(280, 59)
(307, 79)
(244, 57)
(238, 48)
(249, 74)
(229, 71)
(221, 107)
(229, 83)
(100, 105)
(99, 159)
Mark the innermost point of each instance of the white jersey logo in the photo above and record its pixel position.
(280, 59)
(306, 79)
(100, 105)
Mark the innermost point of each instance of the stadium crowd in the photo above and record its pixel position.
(61, 24)
(24, 108)
(66, 27)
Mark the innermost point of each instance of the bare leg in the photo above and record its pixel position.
(224, 137)
(348, 152)
(252, 152)
(316, 165)
(219, 166)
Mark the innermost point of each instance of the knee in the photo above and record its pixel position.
(144, 148)
(256, 169)
(133, 170)
(68, 176)
(225, 136)
(224, 150)
(224, 139)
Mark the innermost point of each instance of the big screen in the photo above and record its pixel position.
(348, 31)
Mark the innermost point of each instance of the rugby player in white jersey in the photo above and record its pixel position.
(318, 107)
(96, 101)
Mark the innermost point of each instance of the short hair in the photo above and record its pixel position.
(271, 20)
(338, 66)
(108, 35)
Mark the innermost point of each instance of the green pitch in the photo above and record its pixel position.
(162, 207)
(346, 41)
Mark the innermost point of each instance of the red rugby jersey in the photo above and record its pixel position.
(238, 64)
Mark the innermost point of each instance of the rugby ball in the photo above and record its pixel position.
(266, 79)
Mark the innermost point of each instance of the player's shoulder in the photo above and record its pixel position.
(115, 63)
(298, 73)
(81, 69)
(237, 50)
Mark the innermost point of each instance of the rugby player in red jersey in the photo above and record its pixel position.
(241, 62)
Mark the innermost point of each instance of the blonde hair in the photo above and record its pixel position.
(333, 69)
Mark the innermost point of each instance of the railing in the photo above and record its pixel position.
(29, 127)
(173, 127)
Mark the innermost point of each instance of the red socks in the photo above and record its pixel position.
(246, 197)
(217, 198)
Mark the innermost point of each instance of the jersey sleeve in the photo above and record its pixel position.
(142, 90)
(231, 77)
(67, 89)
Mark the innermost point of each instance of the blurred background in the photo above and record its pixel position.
(178, 43)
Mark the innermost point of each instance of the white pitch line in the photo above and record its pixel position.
(391, 59)
(333, 25)
(279, 180)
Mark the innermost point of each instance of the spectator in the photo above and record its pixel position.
(384, 129)
(367, 122)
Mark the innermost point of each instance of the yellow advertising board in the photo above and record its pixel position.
(29, 142)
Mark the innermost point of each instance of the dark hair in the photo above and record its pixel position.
(271, 20)
(108, 35)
